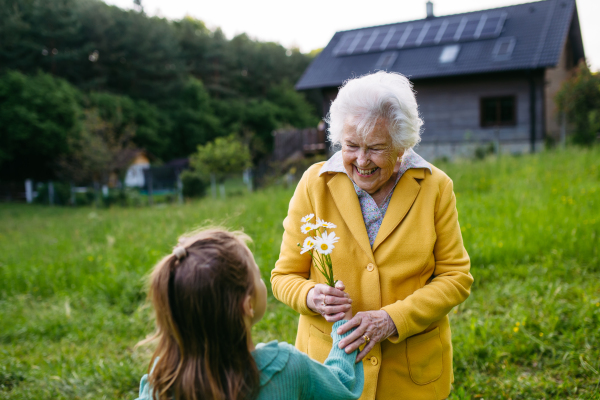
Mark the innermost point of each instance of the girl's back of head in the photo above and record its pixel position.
(202, 337)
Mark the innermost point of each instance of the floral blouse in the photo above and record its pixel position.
(373, 214)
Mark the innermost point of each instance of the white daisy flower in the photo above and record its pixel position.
(307, 228)
(328, 225)
(309, 244)
(325, 224)
(331, 236)
(324, 243)
(307, 218)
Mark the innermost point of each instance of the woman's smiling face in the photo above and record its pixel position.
(371, 161)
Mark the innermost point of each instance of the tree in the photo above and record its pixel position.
(123, 112)
(294, 110)
(38, 116)
(136, 55)
(192, 119)
(41, 34)
(222, 157)
(97, 151)
(178, 83)
(579, 99)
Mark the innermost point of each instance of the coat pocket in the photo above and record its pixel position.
(424, 354)
(319, 344)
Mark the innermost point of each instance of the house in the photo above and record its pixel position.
(481, 77)
(134, 177)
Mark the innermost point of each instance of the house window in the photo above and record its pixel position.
(449, 53)
(498, 111)
(386, 60)
(503, 48)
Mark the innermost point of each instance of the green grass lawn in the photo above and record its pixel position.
(72, 300)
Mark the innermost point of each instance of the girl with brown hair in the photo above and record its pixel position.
(207, 295)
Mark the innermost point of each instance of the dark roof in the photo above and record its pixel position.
(519, 37)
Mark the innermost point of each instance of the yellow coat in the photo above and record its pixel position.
(417, 271)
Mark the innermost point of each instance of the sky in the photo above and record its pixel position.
(310, 24)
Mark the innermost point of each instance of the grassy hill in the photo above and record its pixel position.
(72, 303)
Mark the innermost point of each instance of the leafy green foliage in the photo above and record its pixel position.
(73, 306)
(194, 185)
(38, 115)
(193, 122)
(99, 150)
(579, 98)
(222, 157)
(178, 83)
(122, 113)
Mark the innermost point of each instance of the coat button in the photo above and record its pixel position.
(370, 267)
(374, 360)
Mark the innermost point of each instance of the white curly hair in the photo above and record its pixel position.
(385, 96)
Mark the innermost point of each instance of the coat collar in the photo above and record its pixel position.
(344, 195)
(410, 160)
(402, 200)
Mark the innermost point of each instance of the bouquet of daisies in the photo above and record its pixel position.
(319, 244)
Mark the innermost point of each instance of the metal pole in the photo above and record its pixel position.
(29, 191)
(51, 193)
(72, 194)
(179, 189)
(532, 111)
(150, 199)
(213, 185)
(563, 130)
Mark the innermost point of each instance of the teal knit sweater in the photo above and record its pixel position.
(286, 373)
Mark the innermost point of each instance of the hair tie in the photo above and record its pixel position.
(179, 252)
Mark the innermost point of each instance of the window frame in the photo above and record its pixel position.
(486, 124)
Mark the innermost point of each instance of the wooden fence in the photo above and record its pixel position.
(299, 143)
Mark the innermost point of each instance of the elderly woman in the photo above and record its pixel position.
(400, 253)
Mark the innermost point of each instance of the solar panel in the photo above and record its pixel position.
(493, 25)
(344, 43)
(376, 45)
(429, 36)
(387, 38)
(469, 30)
(480, 26)
(402, 38)
(411, 38)
(371, 40)
(421, 33)
(441, 31)
(397, 36)
(450, 31)
(355, 42)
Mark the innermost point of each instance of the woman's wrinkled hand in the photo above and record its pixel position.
(332, 303)
(371, 327)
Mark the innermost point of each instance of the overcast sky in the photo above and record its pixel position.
(310, 24)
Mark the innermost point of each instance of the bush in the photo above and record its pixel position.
(579, 98)
(62, 194)
(38, 115)
(483, 151)
(193, 184)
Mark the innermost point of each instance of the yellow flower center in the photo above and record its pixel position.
(324, 246)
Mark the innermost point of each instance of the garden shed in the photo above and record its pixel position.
(481, 77)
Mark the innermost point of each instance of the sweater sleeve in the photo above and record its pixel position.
(451, 281)
(144, 389)
(340, 377)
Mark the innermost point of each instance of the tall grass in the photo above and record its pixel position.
(72, 299)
